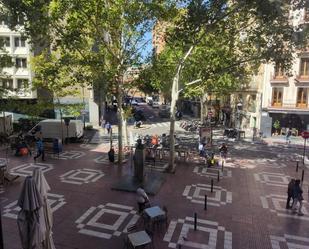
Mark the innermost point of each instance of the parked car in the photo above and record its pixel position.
(165, 111)
(134, 102)
(155, 104)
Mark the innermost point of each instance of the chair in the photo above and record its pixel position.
(294, 132)
(162, 219)
(126, 241)
(283, 131)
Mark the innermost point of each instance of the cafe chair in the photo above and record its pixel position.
(126, 243)
(162, 219)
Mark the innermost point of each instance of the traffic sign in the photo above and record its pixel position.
(305, 134)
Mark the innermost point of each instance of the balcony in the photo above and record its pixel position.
(279, 79)
(301, 79)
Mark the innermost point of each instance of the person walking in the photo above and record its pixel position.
(297, 197)
(40, 149)
(142, 199)
(223, 151)
(288, 135)
(290, 193)
(108, 127)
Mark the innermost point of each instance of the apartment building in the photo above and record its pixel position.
(17, 79)
(285, 96)
(158, 36)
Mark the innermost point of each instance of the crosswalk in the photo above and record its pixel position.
(165, 124)
(101, 137)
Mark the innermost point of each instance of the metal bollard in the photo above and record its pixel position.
(218, 177)
(297, 166)
(222, 167)
(195, 221)
(205, 203)
(302, 175)
(212, 185)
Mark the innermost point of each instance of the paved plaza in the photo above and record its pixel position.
(246, 209)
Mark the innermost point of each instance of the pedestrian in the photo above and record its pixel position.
(108, 127)
(201, 150)
(111, 155)
(297, 197)
(223, 151)
(40, 149)
(142, 199)
(290, 193)
(288, 135)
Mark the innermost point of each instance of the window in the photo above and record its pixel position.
(20, 42)
(302, 97)
(6, 83)
(21, 62)
(304, 67)
(277, 96)
(22, 83)
(5, 41)
(279, 72)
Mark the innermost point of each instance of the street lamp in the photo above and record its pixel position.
(67, 123)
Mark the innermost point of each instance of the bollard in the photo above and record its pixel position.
(218, 177)
(195, 221)
(212, 185)
(302, 175)
(222, 165)
(296, 166)
(179, 246)
(205, 203)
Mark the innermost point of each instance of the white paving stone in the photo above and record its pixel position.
(89, 223)
(27, 168)
(81, 176)
(211, 228)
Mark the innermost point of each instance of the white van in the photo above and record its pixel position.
(51, 128)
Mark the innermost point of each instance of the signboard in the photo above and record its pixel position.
(305, 134)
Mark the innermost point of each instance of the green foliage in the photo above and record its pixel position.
(276, 125)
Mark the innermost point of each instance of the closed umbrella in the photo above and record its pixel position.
(30, 202)
(46, 216)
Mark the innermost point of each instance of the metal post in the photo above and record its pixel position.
(304, 153)
(302, 175)
(212, 185)
(1, 232)
(205, 203)
(195, 221)
(296, 166)
(111, 137)
(218, 177)
(222, 166)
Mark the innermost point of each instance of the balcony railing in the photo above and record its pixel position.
(279, 78)
(302, 78)
(288, 105)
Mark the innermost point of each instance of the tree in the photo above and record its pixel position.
(258, 31)
(106, 36)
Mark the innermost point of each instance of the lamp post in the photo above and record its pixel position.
(305, 136)
(67, 123)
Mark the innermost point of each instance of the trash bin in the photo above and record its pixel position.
(57, 145)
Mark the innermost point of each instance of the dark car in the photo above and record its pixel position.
(165, 111)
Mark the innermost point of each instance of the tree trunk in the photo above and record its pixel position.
(120, 122)
(175, 94)
(202, 110)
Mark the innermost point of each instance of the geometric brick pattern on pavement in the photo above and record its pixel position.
(81, 176)
(105, 221)
(180, 231)
(196, 194)
(55, 201)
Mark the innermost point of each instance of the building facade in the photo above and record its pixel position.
(285, 96)
(17, 79)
